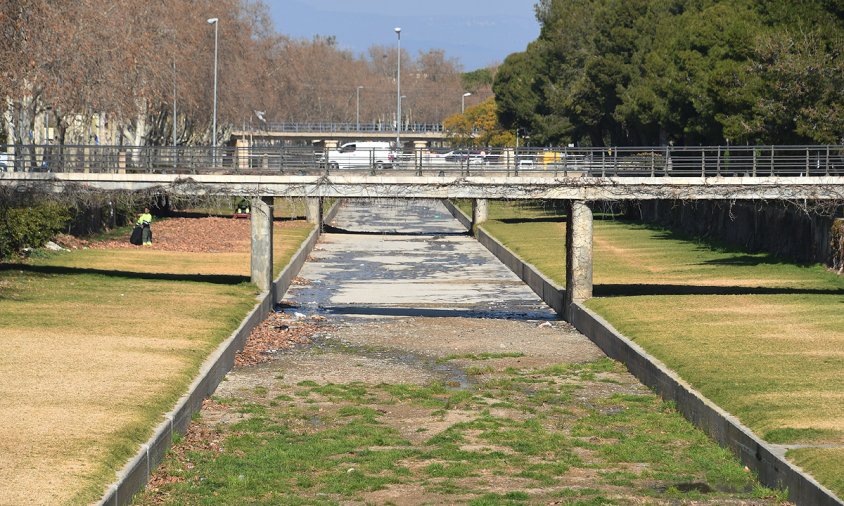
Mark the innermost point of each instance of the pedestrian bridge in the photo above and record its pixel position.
(796, 174)
(416, 135)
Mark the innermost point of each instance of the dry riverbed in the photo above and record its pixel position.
(443, 411)
(411, 367)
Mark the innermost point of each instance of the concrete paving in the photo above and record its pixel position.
(409, 258)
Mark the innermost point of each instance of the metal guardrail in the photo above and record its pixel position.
(348, 127)
(661, 161)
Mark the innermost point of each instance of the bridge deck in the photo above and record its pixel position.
(532, 186)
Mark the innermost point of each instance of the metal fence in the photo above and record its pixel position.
(662, 161)
(347, 127)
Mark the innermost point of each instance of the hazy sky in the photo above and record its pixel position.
(476, 32)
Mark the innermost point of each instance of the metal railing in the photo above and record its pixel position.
(660, 161)
(296, 127)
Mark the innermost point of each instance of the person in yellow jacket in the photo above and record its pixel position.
(144, 221)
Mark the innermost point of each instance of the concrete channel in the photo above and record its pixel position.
(394, 280)
(409, 258)
(399, 284)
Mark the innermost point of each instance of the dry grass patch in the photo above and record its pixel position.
(765, 359)
(82, 384)
(98, 344)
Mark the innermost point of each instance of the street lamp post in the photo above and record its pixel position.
(402, 103)
(216, 23)
(398, 91)
(357, 110)
(463, 102)
(174, 100)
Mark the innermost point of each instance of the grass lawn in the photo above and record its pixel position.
(98, 344)
(760, 337)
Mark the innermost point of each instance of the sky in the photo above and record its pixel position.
(475, 32)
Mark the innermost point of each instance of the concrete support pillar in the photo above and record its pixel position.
(242, 153)
(314, 210)
(578, 254)
(480, 212)
(262, 242)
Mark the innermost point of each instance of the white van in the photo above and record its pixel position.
(360, 155)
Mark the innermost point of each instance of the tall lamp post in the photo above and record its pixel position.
(398, 91)
(463, 102)
(357, 110)
(216, 23)
(174, 100)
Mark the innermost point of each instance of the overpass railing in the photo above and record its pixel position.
(661, 161)
(329, 127)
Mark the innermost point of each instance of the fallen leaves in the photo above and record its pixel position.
(279, 331)
(192, 235)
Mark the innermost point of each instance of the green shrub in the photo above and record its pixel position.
(31, 226)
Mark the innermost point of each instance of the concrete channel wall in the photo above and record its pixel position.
(135, 475)
(771, 469)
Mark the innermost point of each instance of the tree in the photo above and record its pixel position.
(105, 71)
(478, 126)
(688, 71)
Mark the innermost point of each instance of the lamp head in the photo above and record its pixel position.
(213, 21)
(466, 94)
(398, 29)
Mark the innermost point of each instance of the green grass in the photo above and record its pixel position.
(352, 446)
(757, 335)
(481, 356)
(824, 464)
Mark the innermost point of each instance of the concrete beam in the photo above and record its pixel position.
(578, 255)
(399, 185)
(262, 243)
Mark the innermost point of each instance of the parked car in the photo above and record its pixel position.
(462, 155)
(526, 162)
(377, 155)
